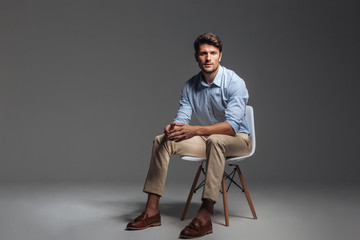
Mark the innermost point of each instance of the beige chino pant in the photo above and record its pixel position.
(215, 148)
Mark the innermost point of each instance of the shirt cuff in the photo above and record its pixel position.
(234, 125)
(179, 120)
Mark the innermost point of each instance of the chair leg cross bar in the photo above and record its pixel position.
(231, 179)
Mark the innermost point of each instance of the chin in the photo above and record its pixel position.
(209, 70)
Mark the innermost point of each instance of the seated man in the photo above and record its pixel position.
(218, 98)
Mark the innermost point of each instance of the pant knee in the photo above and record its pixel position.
(158, 139)
(161, 142)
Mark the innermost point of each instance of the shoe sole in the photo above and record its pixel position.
(150, 225)
(191, 237)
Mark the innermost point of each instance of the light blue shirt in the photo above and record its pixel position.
(224, 100)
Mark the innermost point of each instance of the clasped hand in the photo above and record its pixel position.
(179, 131)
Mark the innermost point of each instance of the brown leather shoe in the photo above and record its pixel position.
(144, 221)
(196, 229)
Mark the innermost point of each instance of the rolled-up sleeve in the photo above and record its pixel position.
(184, 112)
(237, 99)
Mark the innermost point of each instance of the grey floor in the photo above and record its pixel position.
(101, 211)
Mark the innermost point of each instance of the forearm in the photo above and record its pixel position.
(180, 131)
(219, 128)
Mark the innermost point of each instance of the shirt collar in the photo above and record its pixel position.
(217, 80)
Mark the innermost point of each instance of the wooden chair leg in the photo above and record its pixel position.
(191, 193)
(246, 192)
(226, 209)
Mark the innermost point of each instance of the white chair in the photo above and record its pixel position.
(232, 161)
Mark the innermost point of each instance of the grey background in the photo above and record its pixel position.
(86, 85)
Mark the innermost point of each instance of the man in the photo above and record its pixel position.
(218, 98)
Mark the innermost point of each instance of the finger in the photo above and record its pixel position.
(176, 130)
(175, 135)
(172, 135)
(172, 131)
(181, 136)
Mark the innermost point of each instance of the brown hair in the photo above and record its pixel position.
(208, 38)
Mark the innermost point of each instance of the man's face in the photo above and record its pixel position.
(208, 58)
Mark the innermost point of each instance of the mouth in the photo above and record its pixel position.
(207, 64)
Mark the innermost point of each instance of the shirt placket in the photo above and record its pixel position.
(208, 104)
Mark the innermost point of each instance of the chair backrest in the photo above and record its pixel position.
(249, 116)
(251, 123)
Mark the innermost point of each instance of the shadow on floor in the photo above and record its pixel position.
(170, 209)
(126, 210)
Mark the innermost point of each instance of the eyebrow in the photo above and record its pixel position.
(207, 51)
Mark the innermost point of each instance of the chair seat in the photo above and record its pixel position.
(229, 160)
(193, 159)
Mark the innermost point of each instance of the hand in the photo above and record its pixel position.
(180, 131)
(168, 128)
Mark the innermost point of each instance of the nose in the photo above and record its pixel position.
(208, 57)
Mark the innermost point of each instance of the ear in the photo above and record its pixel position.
(195, 55)
(220, 56)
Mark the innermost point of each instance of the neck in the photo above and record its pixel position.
(209, 77)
